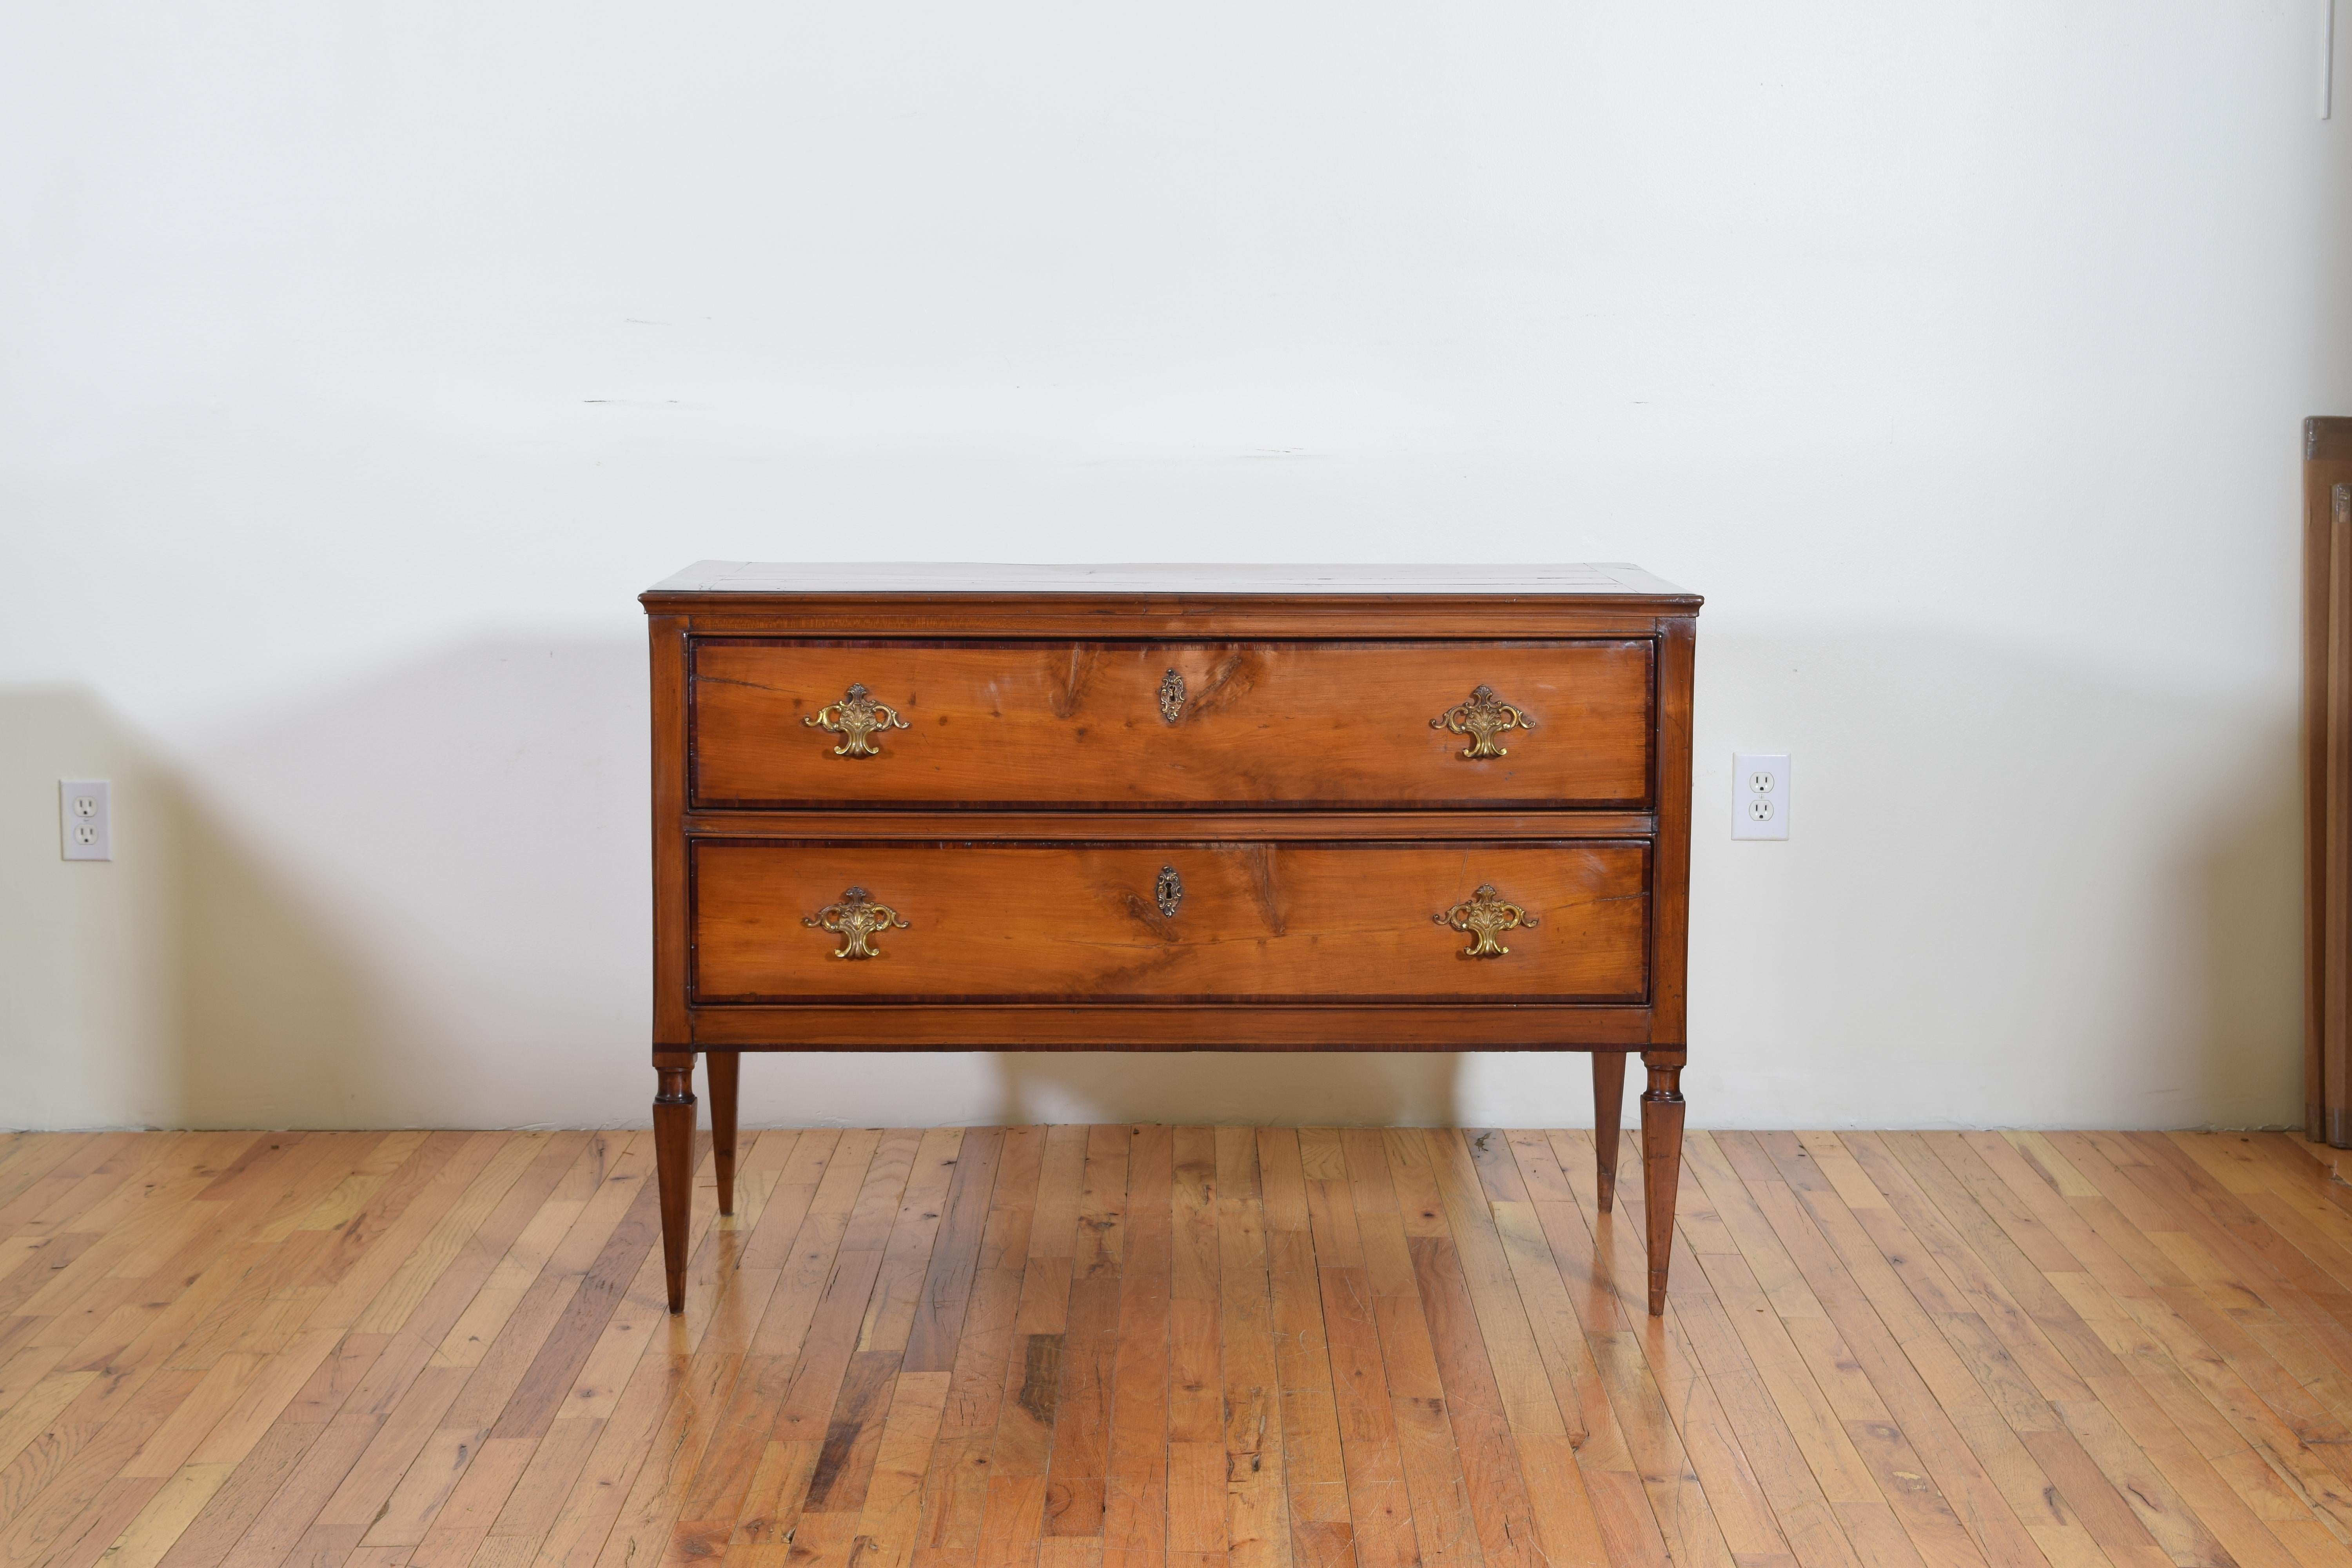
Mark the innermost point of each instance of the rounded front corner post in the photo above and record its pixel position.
(1662, 1163)
(674, 1162)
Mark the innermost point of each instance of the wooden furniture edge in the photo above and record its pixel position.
(1607, 1033)
(1146, 824)
(893, 1026)
(1138, 616)
(2327, 438)
(2328, 1073)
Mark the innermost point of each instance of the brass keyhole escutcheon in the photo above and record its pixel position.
(1168, 892)
(1486, 916)
(1483, 717)
(856, 719)
(856, 920)
(1171, 696)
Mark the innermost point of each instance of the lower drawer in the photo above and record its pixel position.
(797, 920)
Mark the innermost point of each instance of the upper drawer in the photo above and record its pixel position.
(1223, 725)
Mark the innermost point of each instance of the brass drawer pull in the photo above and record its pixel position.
(856, 920)
(1485, 916)
(856, 717)
(1483, 717)
(1168, 892)
(1171, 696)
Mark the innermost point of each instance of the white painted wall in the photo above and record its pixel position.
(359, 364)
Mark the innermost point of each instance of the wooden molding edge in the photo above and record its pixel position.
(2333, 1164)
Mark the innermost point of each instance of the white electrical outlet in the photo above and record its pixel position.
(85, 820)
(1759, 795)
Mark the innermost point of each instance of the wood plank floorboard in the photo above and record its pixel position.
(1191, 1347)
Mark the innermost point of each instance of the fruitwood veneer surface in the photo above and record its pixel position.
(1312, 723)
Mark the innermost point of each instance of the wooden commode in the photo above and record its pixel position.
(1138, 808)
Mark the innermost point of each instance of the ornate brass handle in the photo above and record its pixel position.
(1483, 717)
(855, 718)
(857, 919)
(1485, 916)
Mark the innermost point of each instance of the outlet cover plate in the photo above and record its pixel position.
(85, 819)
(1759, 795)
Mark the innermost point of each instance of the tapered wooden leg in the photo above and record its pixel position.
(1662, 1163)
(674, 1162)
(722, 1066)
(1608, 1112)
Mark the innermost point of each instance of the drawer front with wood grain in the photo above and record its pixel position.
(1554, 723)
(1475, 924)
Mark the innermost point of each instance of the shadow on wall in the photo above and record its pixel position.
(1351, 1089)
(89, 1007)
(420, 903)
(2243, 880)
(285, 1021)
(2022, 890)
(425, 902)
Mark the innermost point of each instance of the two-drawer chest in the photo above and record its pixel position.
(1138, 808)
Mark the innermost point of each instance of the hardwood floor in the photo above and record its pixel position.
(1148, 1347)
